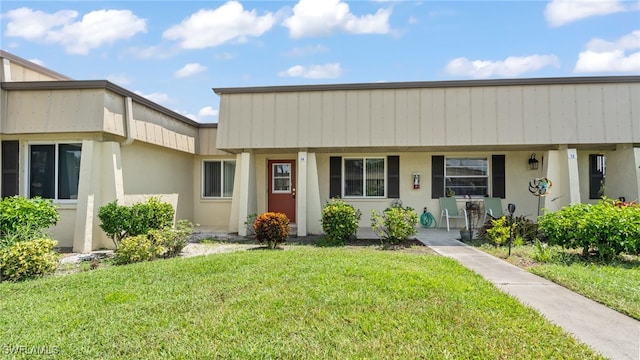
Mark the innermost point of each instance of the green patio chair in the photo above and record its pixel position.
(493, 208)
(449, 210)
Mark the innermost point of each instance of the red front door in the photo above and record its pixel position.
(282, 188)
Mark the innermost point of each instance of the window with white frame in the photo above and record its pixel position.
(364, 177)
(466, 176)
(217, 178)
(54, 170)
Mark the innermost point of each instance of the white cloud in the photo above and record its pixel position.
(512, 66)
(151, 52)
(224, 56)
(95, 29)
(228, 23)
(160, 98)
(562, 12)
(307, 50)
(120, 79)
(614, 56)
(37, 61)
(189, 70)
(207, 111)
(326, 71)
(320, 18)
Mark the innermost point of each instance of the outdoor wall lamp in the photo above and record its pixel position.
(533, 162)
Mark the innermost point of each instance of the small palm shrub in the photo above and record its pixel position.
(271, 229)
(28, 259)
(395, 225)
(339, 221)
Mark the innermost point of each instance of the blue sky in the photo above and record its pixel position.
(174, 52)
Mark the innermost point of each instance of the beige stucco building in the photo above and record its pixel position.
(291, 148)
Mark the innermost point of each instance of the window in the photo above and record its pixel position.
(217, 178)
(54, 171)
(466, 176)
(597, 169)
(364, 177)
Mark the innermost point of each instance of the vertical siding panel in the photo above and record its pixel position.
(256, 129)
(244, 116)
(413, 118)
(315, 119)
(451, 120)
(269, 114)
(624, 118)
(339, 118)
(328, 138)
(476, 114)
(439, 117)
(400, 118)
(281, 121)
(425, 117)
(291, 119)
(303, 120)
(376, 131)
(364, 118)
(388, 134)
(515, 124)
(584, 120)
(502, 115)
(490, 115)
(465, 129)
(634, 93)
(352, 119)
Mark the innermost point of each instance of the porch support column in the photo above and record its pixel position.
(301, 193)
(571, 158)
(244, 193)
(100, 183)
(314, 207)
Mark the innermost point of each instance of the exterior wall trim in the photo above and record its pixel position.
(432, 84)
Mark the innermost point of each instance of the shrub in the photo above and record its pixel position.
(28, 259)
(271, 229)
(137, 248)
(172, 240)
(499, 232)
(339, 221)
(25, 219)
(120, 221)
(606, 229)
(395, 224)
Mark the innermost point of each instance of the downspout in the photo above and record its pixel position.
(128, 121)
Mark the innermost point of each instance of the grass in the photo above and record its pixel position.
(300, 303)
(614, 284)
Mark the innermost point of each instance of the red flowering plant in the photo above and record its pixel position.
(271, 229)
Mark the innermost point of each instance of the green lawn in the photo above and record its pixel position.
(304, 302)
(615, 284)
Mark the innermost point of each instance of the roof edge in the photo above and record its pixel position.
(431, 84)
(95, 84)
(33, 66)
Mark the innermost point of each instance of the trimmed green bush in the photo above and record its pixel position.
(271, 229)
(120, 221)
(28, 259)
(395, 225)
(339, 221)
(137, 248)
(605, 229)
(25, 219)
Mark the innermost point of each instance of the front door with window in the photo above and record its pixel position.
(282, 188)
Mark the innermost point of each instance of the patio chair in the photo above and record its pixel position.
(493, 208)
(449, 210)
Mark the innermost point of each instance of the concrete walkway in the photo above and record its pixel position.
(611, 333)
